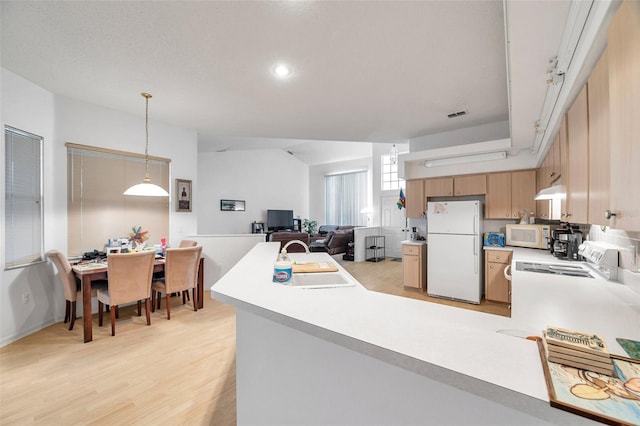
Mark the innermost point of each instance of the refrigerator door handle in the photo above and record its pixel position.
(475, 255)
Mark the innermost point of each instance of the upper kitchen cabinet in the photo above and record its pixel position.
(577, 182)
(599, 162)
(470, 185)
(415, 199)
(438, 187)
(510, 193)
(552, 169)
(624, 97)
(455, 186)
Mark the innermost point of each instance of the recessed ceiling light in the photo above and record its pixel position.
(282, 71)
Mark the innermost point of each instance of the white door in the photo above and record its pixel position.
(392, 225)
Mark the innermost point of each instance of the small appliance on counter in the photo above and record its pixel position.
(601, 257)
(565, 242)
(494, 239)
(531, 236)
(413, 235)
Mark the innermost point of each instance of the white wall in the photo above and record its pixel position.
(264, 179)
(31, 108)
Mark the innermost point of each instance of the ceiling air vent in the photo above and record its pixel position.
(457, 114)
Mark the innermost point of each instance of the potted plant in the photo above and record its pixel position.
(309, 226)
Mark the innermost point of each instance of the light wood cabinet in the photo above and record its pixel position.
(509, 193)
(497, 287)
(599, 167)
(414, 266)
(438, 187)
(415, 199)
(624, 93)
(470, 185)
(498, 199)
(577, 183)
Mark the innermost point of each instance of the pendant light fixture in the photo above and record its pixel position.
(393, 155)
(146, 188)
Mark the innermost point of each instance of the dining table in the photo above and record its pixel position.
(93, 271)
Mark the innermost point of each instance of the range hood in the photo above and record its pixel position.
(550, 193)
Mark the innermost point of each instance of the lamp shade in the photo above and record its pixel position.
(146, 189)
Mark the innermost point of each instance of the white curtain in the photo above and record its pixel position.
(346, 197)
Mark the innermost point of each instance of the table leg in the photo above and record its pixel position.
(86, 308)
(200, 284)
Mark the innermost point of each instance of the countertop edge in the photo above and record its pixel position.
(481, 388)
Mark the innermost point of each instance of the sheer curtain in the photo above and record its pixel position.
(345, 198)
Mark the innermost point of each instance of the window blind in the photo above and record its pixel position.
(345, 199)
(23, 198)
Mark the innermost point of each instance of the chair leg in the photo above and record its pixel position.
(195, 299)
(168, 302)
(159, 299)
(117, 312)
(113, 321)
(100, 314)
(73, 315)
(67, 311)
(153, 300)
(148, 309)
(184, 297)
(139, 308)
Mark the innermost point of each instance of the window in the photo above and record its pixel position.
(345, 199)
(24, 236)
(389, 174)
(97, 210)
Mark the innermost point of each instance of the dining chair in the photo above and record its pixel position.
(129, 281)
(71, 285)
(188, 243)
(180, 274)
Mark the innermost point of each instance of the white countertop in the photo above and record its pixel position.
(414, 243)
(455, 346)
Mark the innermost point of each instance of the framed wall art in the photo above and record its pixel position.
(184, 197)
(232, 205)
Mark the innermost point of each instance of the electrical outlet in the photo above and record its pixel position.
(26, 298)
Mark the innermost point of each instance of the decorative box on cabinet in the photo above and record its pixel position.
(497, 287)
(414, 265)
(374, 245)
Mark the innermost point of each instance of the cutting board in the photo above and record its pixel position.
(314, 267)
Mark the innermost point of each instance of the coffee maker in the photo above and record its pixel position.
(565, 242)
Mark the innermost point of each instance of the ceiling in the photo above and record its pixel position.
(362, 71)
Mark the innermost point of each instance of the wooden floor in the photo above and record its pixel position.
(172, 372)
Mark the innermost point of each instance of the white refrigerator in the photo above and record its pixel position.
(454, 250)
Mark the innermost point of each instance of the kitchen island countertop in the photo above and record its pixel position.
(454, 347)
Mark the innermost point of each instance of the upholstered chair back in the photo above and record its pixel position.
(130, 276)
(188, 243)
(181, 268)
(66, 274)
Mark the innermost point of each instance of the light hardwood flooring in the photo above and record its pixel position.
(170, 373)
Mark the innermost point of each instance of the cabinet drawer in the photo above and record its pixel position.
(498, 256)
(411, 250)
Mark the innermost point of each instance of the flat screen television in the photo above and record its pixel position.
(279, 220)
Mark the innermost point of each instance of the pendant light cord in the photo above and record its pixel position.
(146, 130)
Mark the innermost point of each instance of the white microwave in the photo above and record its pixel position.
(531, 236)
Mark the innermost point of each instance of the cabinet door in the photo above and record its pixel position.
(438, 187)
(523, 192)
(498, 199)
(599, 142)
(555, 169)
(411, 271)
(543, 206)
(624, 92)
(497, 286)
(415, 199)
(577, 157)
(470, 185)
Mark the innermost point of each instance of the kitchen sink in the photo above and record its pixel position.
(319, 280)
(554, 269)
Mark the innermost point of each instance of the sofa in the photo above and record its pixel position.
(332, 239)
(284, 237)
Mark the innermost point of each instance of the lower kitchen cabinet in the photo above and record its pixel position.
(496, 287)
(414, 265)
